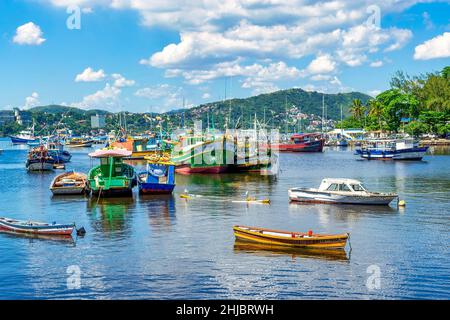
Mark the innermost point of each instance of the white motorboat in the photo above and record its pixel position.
(345, 191)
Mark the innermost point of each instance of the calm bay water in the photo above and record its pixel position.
(163, 247)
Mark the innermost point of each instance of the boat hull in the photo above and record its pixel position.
(68, 191)
(17, 140)
(403, 154)
(155, 188)
(188, 169)
(314, 146)
(113, 192)
(285, 239)
(80, 145)
(310, 196)
(63, 230)
(39, 165)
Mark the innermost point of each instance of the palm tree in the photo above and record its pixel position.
(357, 109)
(376, 110)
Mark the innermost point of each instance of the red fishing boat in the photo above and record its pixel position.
(302, 142)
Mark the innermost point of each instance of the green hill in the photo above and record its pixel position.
(275, 108)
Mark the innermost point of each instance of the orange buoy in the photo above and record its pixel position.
(310, 232)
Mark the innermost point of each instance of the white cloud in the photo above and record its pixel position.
(164, 96)
(374, 93)
(29, 34)
(121, 81)
(437, 47)
(206, 95)
(376, 64)
(321, 64)
(106, 98)
(213, 35)
(32, 100)
(89, 75)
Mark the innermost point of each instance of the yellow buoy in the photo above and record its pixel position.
(185, 196)
(401, 203)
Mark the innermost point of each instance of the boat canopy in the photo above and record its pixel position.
(106, 153)
(341, 184)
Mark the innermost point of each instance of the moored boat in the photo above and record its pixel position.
(112, 176)
(392, 149)
(70, 183)
(77, 142)
(33, 227)
(345, 191)
(39, 160)
(57, 152)
(290, 239)
(159, 176)
(306, 142)
(24, 137)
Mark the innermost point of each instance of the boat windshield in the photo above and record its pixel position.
(333, 187)
(358, 187)
(344, 187)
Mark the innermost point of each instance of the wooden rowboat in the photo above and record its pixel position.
(36, 227)
(290, 239)
(70, 183)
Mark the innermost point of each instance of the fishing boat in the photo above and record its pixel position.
(70, 183)
(77, 142)
(159, 176)
(203, 154)
(345, 191)
(57, 152)
(33, 227)
(112, 176)
(39, 160)
(304, 142)
(140, 147)
(290, 239)
(24, 137)
(392, 149)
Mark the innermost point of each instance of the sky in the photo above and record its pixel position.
(155, 56)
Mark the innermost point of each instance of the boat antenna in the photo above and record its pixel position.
(287, 115)
(323, 110)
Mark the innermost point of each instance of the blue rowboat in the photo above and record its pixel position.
(159, 178)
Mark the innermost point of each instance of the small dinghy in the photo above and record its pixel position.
(290, 239)
(342, 191)
(34, 227)
(70, 183)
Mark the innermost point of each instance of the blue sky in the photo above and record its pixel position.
(151, 55)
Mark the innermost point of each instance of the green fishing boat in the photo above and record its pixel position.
(112, 176)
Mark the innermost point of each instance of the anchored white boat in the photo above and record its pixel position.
(345, 191)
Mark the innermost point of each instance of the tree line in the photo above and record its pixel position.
(416, 105)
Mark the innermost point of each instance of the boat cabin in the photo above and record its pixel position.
(305, 137)
(114, 167)
(342, 185)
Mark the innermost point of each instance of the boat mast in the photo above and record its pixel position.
(323, 111)
(287, 115)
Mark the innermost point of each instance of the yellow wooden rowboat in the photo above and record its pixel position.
(290, 239)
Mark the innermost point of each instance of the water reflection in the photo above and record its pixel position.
(110, 215)
(160, 210)
(339, 212)
(66, 240)
(265, 250)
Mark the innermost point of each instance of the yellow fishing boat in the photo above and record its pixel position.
(290, 239)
